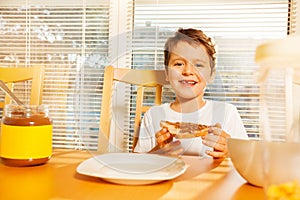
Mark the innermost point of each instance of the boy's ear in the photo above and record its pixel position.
(167, 76)
(212, 78)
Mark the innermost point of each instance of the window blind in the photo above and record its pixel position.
(237, 28)
(69, 38)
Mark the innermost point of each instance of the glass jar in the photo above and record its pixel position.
(279, 78)
(26, 135)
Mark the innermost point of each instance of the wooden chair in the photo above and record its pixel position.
(140, 78)
(20, 74)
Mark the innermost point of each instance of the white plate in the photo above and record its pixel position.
(132, 168)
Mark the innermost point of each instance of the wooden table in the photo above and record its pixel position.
(204, 179)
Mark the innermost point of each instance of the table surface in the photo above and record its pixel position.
(205, 178)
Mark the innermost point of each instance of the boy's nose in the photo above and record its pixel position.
(188, 69)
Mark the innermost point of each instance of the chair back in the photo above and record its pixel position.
(141, 79)
(35, 74)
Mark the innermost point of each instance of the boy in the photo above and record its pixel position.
(190, 66)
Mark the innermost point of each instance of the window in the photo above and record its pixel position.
(70, 38)
(76, 39)
(237, 28)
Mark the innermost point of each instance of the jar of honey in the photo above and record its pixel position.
(279, 78)
(26, 135)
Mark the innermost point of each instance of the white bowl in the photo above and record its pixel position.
(246, 156)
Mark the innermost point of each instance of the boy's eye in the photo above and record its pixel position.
(199, 65)
(178, 64)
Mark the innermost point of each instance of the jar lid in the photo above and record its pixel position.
(279, 53)
(283, 53)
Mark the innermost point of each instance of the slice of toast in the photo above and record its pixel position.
(182, 130)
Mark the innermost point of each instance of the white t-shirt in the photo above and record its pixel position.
(211, 113)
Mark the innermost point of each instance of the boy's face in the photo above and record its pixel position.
(188, 70)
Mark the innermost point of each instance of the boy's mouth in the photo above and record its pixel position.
(188, 82)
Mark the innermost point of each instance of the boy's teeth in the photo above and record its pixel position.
(189, 82)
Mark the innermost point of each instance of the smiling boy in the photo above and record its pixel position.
(190, 66)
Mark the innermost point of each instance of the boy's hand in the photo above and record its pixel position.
(163, 137)
(165, 144)
(217, 139)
